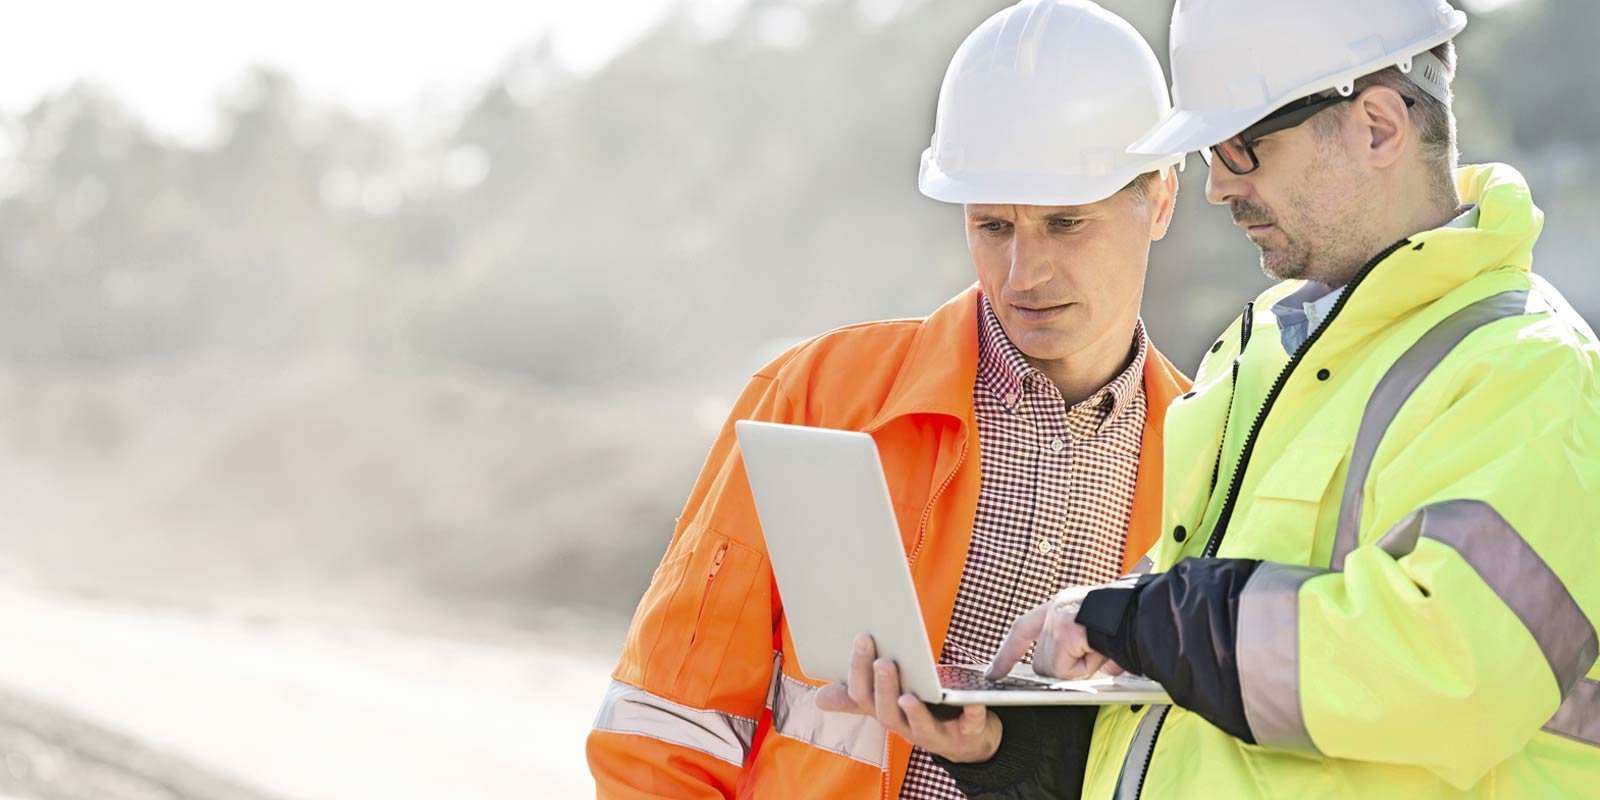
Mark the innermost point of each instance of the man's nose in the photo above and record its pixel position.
(1222, 184)
(1030, 265)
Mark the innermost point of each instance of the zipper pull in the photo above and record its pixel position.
(716, 563)
(1245, 324)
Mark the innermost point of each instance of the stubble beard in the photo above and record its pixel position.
(1325, 239)
(1286, 263)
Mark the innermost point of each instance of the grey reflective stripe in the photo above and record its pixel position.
(1513, 571)
(1402, 538)
(631, 710)
(1268, 653)
(1578, 718)
(795, 715)
(1403, 378)
(1137, 762)
(1143, 567)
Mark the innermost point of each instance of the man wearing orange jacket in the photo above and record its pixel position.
(1019, 427)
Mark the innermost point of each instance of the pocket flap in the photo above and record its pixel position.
(1303, 472)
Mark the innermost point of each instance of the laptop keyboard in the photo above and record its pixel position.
(972, 679)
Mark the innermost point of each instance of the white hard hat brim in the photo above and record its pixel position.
(1183, 131)
(1034, 189)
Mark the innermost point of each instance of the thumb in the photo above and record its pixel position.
(835, 697)
(972, 720)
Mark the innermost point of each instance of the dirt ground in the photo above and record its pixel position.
(48, 754)
(107, 700)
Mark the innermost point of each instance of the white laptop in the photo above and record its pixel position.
(841, 571)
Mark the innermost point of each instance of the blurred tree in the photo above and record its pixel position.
(678, 214)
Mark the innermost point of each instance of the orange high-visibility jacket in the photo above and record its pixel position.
(704, 703)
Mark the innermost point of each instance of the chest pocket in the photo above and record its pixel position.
(697, 603)
(1290, 516)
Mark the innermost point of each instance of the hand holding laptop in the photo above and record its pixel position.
(874, 690)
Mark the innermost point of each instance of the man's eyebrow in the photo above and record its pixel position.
(1070, 212)
(983, 216)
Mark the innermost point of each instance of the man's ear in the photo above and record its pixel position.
(1164, 199)
(1381, 116)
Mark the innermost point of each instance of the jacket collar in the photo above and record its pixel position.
(939, 368)
(942, 363)
(1431, 264)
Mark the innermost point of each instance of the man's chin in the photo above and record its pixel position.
(1279, 268)
(1049, 349)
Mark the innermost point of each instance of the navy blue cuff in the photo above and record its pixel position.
(1179, 629)
(1106, 614)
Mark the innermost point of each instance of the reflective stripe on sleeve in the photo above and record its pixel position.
(1268, 654)
(1578, 718)
(795, 715)
(1268, 643)
(631, 710)
(1514, 572)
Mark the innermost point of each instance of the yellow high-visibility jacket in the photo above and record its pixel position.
(1420, 484)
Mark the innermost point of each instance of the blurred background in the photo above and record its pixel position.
(355, 358)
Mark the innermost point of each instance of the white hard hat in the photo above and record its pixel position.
(1236, 61)
(1039, 106)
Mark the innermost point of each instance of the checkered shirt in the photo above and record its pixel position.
(1053, 508)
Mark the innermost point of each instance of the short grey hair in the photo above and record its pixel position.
(1141, 185)
(1434, 117)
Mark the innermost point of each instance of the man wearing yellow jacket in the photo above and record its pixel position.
(1378, 574)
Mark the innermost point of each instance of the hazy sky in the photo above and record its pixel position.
(169, 59)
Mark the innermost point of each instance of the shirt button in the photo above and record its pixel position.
(1056, 445)
(1180, 533)
(1045, 547)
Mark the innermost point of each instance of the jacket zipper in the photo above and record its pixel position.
(886, 766)
(1223, 518)
(927, 511)
(916, 550)
(1149, 753)
(705, 597)
(1245, 324)
(716, 563)
(1221, 528)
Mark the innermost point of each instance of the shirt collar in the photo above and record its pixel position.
(1468, 218)
(1005, 372)
(1121, 391)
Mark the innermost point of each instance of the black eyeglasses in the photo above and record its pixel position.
(1239, 153)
